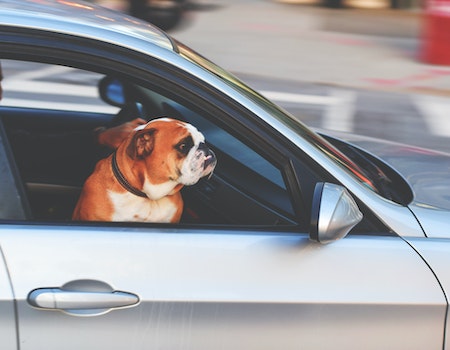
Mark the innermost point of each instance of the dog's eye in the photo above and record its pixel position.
(182, 147)
(185, 145)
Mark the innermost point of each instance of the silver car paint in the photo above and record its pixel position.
(435, 221)
(204, 290)
(437, 254)
(8, 332)
(85, 19)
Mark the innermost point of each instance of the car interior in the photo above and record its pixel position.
(53, 155)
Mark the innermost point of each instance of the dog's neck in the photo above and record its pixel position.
(120, 177)
(134, 185)
(159, 191)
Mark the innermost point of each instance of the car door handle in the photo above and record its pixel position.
(86, 297)
(56, 298)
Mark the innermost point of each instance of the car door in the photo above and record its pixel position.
(11, 207)
(8, 331)
(232, 284)
(258, 285)
(217, 288)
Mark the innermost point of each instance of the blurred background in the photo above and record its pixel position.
(374, 67)
(379, 68)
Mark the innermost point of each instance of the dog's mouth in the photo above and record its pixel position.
(210, 160)
(209, 163)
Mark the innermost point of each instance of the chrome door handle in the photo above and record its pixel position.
(81, 297)
(55, 298)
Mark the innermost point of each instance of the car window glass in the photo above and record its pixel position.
(13, 204)
(230, 144)
(44, 128)
(246, 168)
(38, 85)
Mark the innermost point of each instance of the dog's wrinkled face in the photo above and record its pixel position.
(172, 151)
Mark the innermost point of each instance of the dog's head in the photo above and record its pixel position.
(171, 151)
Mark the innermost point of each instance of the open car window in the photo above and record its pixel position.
(38, 85)
(44, 125)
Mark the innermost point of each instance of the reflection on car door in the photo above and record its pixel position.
(8, 333)
(203, 289)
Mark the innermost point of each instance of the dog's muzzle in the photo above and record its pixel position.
(210, 160)
(200, 162)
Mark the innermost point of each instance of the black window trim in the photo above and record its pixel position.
(256, 136)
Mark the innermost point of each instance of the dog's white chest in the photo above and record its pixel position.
(128, 207)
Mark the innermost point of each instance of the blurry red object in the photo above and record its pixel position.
(436, 32)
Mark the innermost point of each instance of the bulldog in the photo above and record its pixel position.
(142, 179)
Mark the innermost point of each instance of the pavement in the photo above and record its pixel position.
(297, 40)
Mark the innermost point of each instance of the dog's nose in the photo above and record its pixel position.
(202, 146)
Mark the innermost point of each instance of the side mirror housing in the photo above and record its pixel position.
(334, 213)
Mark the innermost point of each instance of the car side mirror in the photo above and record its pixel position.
(334, 213)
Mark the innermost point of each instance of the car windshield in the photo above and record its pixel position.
(286, 118)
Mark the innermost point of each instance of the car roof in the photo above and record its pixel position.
(83, 19)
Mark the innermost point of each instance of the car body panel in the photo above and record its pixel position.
(85, 19)
(200, 288)
(8, 332)
(436, 252)
(426, 171)
(435, 221)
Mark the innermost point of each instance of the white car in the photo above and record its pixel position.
(299, 240)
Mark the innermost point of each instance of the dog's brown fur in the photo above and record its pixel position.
(151, 160)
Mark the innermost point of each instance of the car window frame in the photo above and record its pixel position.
(282, 162)
(85, 53)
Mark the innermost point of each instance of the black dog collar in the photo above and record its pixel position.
(119, 176)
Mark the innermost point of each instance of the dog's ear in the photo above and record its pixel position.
(142, 144)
